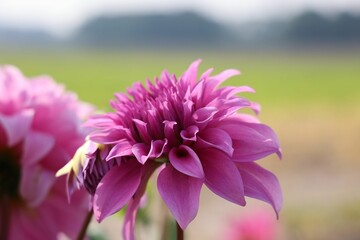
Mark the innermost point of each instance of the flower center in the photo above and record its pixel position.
(9, 174)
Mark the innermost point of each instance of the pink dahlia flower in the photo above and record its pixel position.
(191, 130)
(39, 132)
(257, 225)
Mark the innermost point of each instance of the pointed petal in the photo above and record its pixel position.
(251, 141)
(204, 114)
(35, 184)
(180, 193)
(129, 220)
(243, 117)
(216, 80)
(190, 75)
(185, 160)
(36, 146)
(188, 106)
(110, 135)
(157, 148)
(255, 107)
(190, 133)
(222, 176)
(116, 188)
(142, 129)
(134, 203)
(16, 126)
(170, 132)
(141, 151)
(231, 91)
(261, 184)
(206, 74)
(122, 148)
(216, 138)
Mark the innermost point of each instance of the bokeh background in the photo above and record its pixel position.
(302, 57)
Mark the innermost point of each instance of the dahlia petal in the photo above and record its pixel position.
(222, 176)
(230, 106)
(122, 148)
(216, 138)
(235, 90)
(206, 74)
(116, 188)
(141, 151)
(136, 201)
(189, 77)
(255, 107)
(189, 134)
(99, 121)
(36, 146)
(224, 75)
(251, 141)
(186, 161)
(129, 220)
(141, 126)
(157, 148)
(35, 184)
(261, 184)
(204, 114)
(170, 132)
(110, 135)
(188, 106)
(155, 123)
(184, 202)
(243, 117)
(199, 92)
(16, 126)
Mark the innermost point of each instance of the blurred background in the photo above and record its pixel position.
(302, 57)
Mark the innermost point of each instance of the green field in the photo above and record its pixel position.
(280, 78)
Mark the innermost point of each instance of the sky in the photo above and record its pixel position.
(61, 18)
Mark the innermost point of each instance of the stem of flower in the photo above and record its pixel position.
(5, 218)
(85, 226)
(179, 232)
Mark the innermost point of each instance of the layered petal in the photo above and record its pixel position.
(251, 141)
(222, 176)
(136, 201)
(189, 78)
(36, 146)
(35, 184)
(122, 148)
(216, 138)
(16, 126)
(261, 184)
(185, 160)
(181, 194)
(116, 188)
(143, 152)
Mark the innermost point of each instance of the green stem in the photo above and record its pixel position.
(85, 226)
(179, 232)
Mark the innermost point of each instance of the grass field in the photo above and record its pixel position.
(280, 78)
(310, 98)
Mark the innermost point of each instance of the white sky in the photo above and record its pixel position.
(63, 16)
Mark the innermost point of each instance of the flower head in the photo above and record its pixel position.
(39, 132)
(191, 130)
